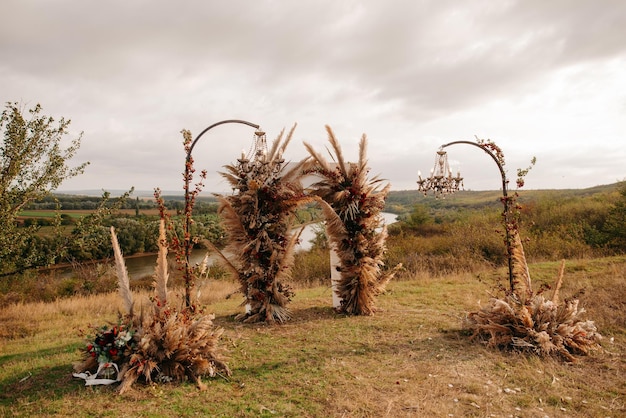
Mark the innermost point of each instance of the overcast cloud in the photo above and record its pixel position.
(539, 78)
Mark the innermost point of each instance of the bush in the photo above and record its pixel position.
(312, 267)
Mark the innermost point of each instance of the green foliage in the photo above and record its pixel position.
(320, 239)
(32, 286)
(466, 235)
(419, 217)
(32, 164)
(80, 202)
(614, 227)
(312, 267)
(460, 247)
(135, 236)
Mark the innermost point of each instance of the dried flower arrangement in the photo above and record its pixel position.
(527, 321)
(162, 344)
(352, 206)
(524, 319)
(259, 218)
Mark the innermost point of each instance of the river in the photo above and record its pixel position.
(140, 266)
(309, 231)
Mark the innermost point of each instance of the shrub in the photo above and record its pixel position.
(312, 267)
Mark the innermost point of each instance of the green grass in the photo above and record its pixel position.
(50, 214)
(410, 359)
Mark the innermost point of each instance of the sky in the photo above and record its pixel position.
(542, 79)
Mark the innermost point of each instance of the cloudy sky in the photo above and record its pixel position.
(539, 78)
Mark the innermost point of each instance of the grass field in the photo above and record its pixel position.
(78, 213)
(411, 359)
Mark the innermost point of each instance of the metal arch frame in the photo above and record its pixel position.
(187, 231)
(505, 201)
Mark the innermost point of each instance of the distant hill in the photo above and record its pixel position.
(404, 200)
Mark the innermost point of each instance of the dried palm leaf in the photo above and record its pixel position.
(335, 227)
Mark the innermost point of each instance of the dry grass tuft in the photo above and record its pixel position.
(538, 325)
(171, 345)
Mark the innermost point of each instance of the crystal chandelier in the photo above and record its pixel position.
(257, 163)
(440, 180)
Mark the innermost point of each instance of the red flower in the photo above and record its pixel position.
(113, 351)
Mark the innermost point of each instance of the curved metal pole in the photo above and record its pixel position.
(188, 208)
(505, 202)
(193, 144)
(491, 154)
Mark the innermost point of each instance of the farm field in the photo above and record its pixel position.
(411, 359)
(79, 213)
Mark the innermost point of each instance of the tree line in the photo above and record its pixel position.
(60, 201)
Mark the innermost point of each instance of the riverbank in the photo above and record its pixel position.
(142, 264)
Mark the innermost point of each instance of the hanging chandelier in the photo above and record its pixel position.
(257, 152)
(440, 180)
(257, 163)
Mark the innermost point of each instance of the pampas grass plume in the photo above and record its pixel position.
(122, 274)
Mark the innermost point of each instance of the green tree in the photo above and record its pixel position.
(33, 162)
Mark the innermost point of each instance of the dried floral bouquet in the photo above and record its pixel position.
(160, 344)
